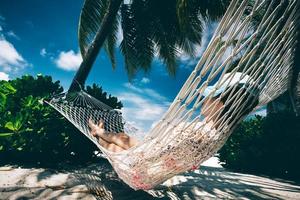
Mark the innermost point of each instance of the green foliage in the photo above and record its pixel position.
(238, 150)
(267, 145)
(149, 26)
(33, 132)
(5, 89)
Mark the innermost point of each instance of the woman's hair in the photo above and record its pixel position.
(247, 100)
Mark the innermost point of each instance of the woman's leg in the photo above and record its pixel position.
(110, 146)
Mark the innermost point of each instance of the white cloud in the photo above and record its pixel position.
(142, 106)
(150, 93)
(134, 88)
(10, 58)
(145, 80)
(4, 76)
(156, 95)
(69, 61)
(141, 111)
(13, 35)
(43, 52)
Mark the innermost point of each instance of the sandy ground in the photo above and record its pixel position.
(100, 182)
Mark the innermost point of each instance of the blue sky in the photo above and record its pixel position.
(41, 37)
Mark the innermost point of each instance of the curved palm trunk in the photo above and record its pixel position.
(91, 54)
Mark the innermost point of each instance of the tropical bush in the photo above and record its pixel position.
(267, 145)
(32, 132)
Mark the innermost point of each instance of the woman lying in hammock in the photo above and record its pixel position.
(213, 109)
(184, 146)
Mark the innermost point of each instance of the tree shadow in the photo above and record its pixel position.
(104, 183)
(209, 182)
(101, 182)
(221, 184)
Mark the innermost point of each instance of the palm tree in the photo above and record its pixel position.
(149, 27)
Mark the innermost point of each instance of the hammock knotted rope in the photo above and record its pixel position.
(185, 137)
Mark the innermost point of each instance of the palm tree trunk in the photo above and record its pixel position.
(91, 55)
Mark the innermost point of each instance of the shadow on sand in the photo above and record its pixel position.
(209, 182)
(101, 182)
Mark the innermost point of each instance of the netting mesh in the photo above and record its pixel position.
(255, 39)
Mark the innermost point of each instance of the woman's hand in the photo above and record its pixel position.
(97, 130)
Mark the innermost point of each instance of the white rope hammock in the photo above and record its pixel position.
(259, 56)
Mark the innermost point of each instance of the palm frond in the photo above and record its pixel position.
(127, 44)
(143, 26)
(150, 27)
(110, 43)
(91, 18)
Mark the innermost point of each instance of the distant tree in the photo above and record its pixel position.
(265, 145)
(98, 93)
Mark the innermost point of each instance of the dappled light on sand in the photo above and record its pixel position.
(99, 181)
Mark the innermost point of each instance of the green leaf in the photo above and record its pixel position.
(19, 122)
(2, 99)
(10, 126)
(29, 101)
(8, 87)
(6, 134)
(29, 129)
